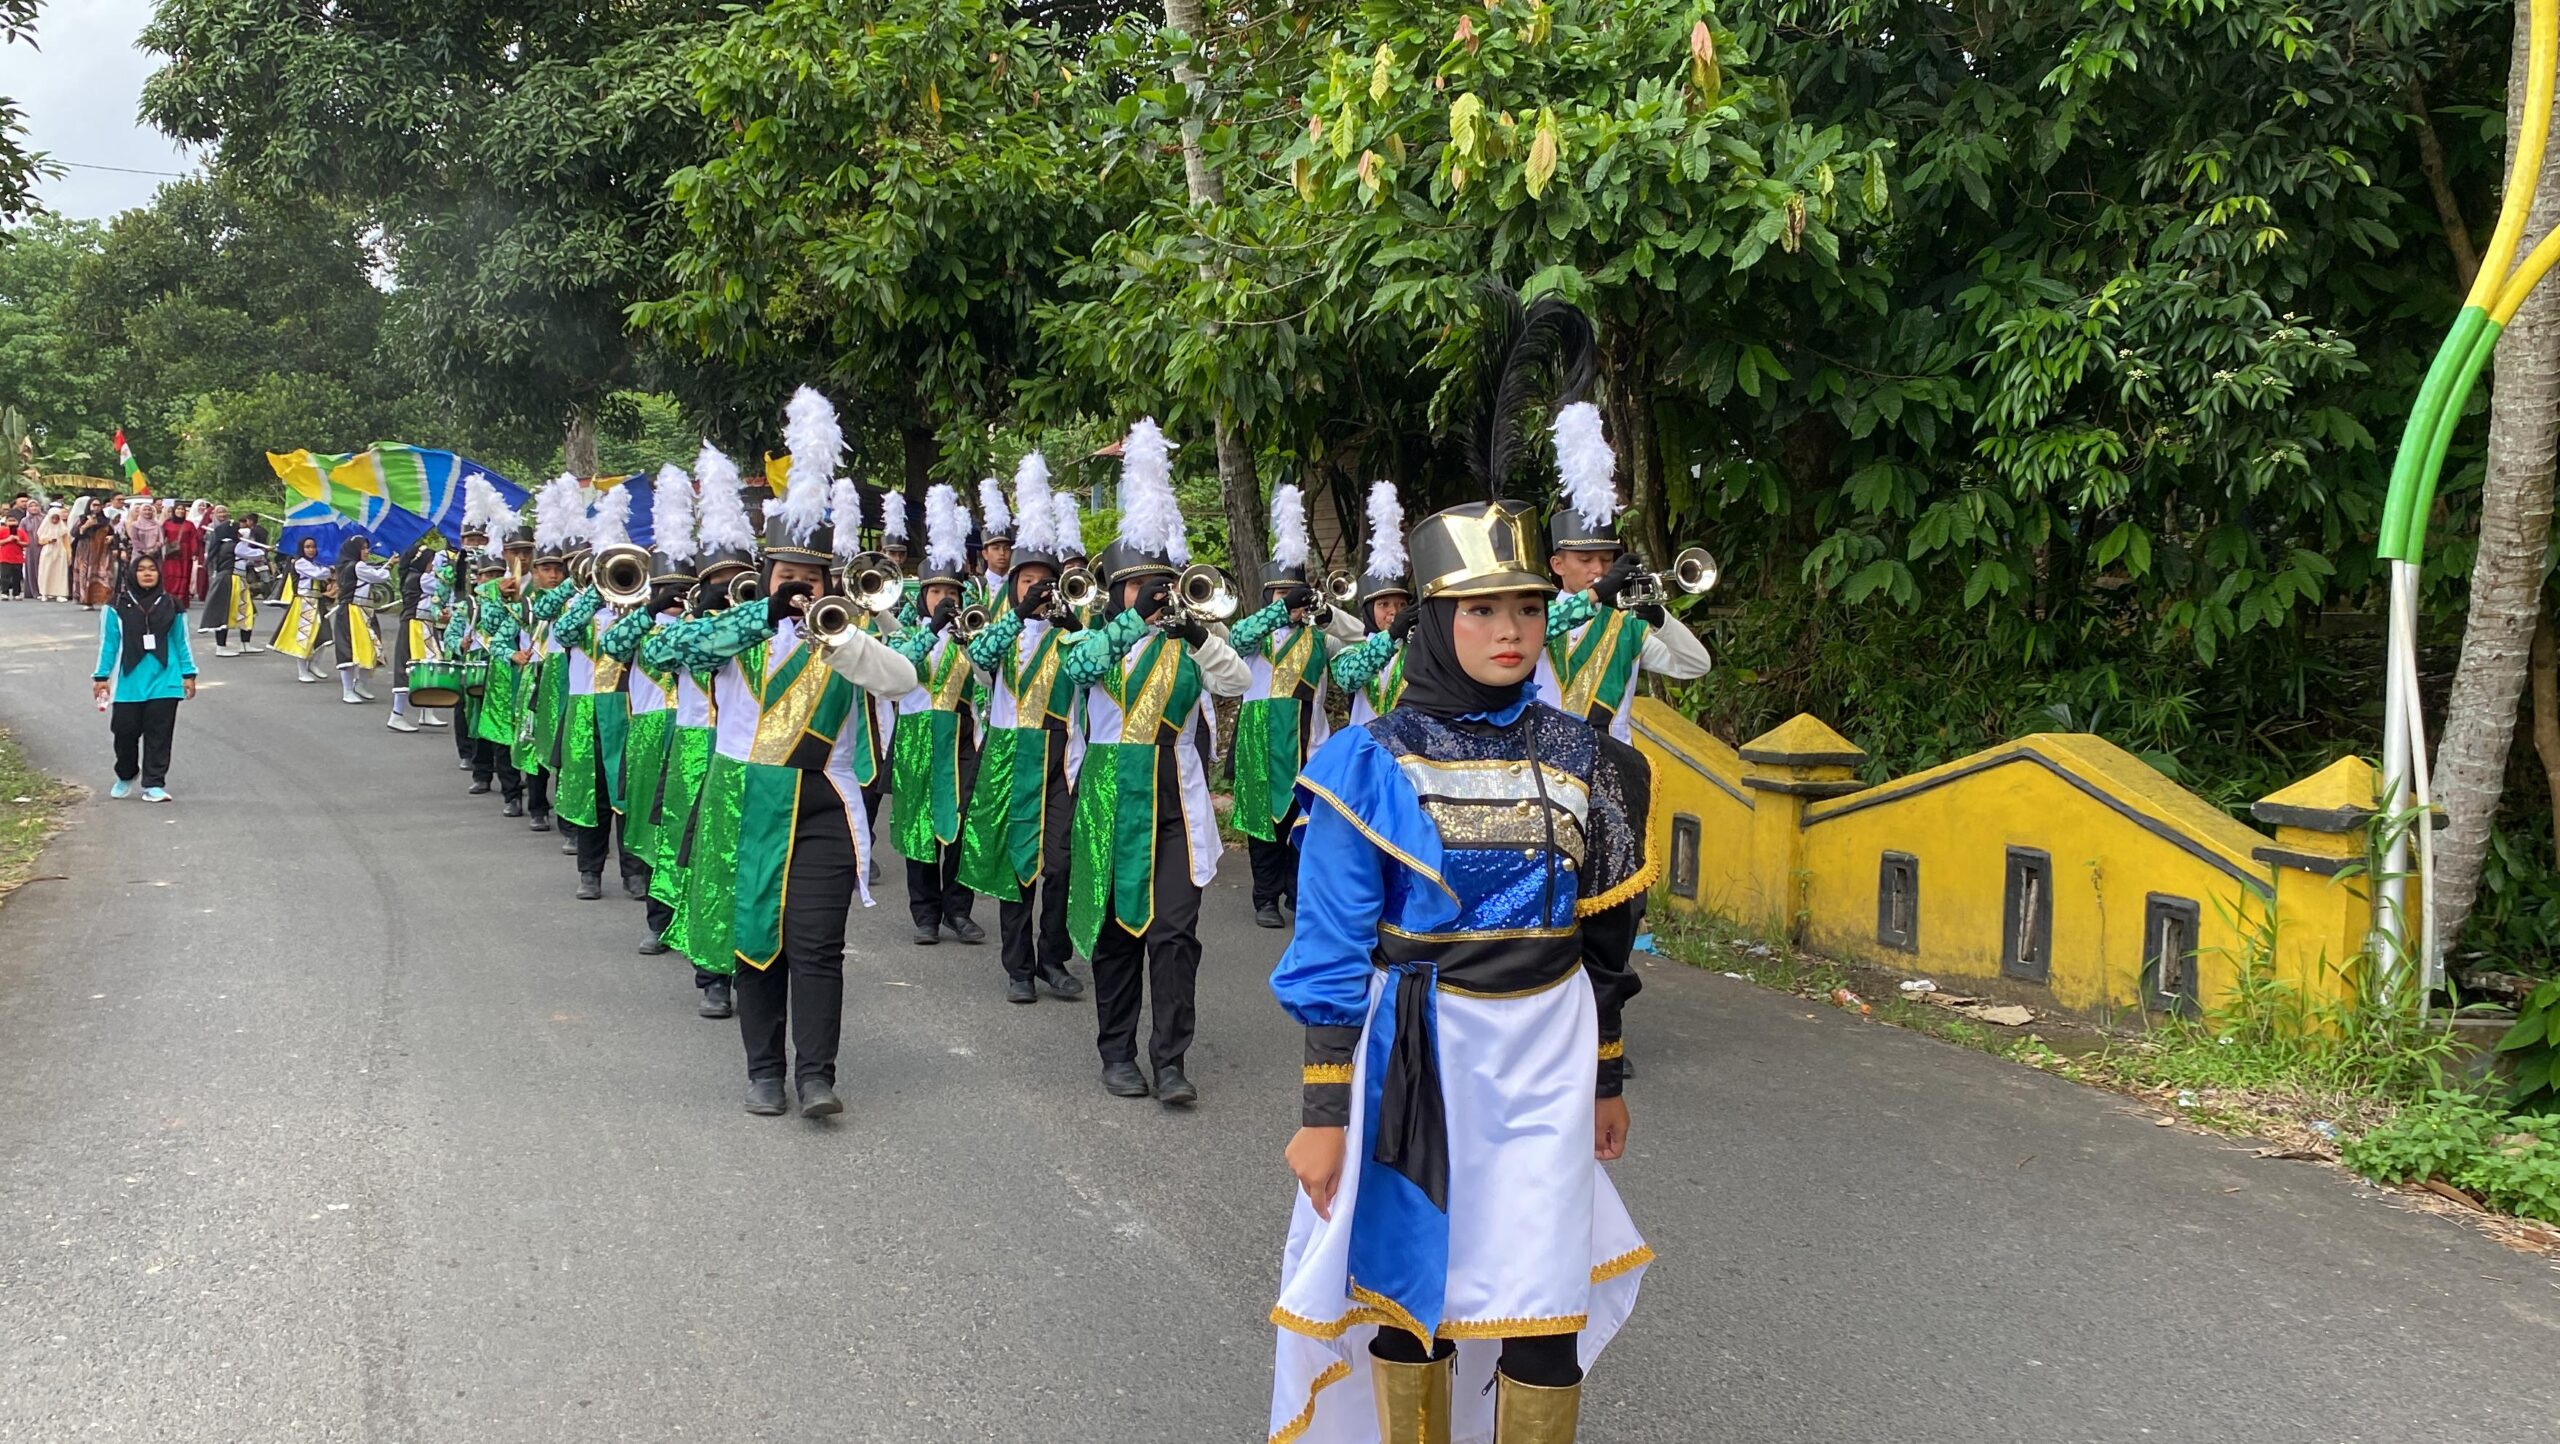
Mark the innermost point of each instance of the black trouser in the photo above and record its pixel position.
(1275, 864)
(658, 913)
(466, 722)
(12, 578)
(594, 842)
(934, 893)
(805, 986)
(1166, 962)
(537, 793)
(1026, 954)
(143, 732)
(1547, 1361)
(491, 761)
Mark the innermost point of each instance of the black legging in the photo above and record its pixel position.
(1547, 1361)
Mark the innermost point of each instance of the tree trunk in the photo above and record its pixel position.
(2506, 575)
(2457, 232)
(923, 452)
(578, 450)
(1239, 489)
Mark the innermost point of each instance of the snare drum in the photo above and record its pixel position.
(436, 684)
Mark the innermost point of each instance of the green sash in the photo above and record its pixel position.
(769, 799)
(1114, 832)
(613, 730)
(643, 775)
(1595, 667)
(924, 761)
(573, 792)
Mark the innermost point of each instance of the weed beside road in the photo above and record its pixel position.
(31, 806)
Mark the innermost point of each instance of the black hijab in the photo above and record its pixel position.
(143, 612)
(1435, 682)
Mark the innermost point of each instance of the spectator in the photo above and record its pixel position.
(144, 670)
(13, 556)
(93, 563)
(53, 564)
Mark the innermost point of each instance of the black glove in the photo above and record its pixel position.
(1402, 626)
(1653, 615)
(783, 601)
(1154, 595)
(707, 599)
(1298, 599)
(1188, 629)
(1037, 597)
(947, 609)
(1615, 580)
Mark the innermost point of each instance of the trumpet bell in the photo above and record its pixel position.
(1341, 587)
(1202, 590)
(970, 622)
(745, 587)
(1695, 571)
(1077, 588)
(875, 583)
(830, 620)
(622, 575)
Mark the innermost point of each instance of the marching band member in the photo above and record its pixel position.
(1145, 835)
(647, 744)
(985, 588)
(933, 750)
(350, 630)
(1014, 845)
(595, 716)
(1373, 671)
(230, 605)
(781, 839)
(306, 581)
(557, 514)
(1282, 719)
(490, 630)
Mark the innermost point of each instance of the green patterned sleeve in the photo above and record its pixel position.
(1248, 635)
(457, 629)
(1100, 649)
(913, 643)
(544, 606)
(702, 644)
(1569, 611)
(993, 645)
(621, 641)
(1358, 666)
(580, 610)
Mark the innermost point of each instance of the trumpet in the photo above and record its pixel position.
(1077, 587)
(621, 573)
(1340, 588)
(1203, 593)
(746, 587)
(969, 623)
(874, 582)
(582, 569)
(830, 620)
(1691, 572)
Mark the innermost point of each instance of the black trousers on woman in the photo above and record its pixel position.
(1166, 961)
(143, 733)
(1035, 928)
(803, 990)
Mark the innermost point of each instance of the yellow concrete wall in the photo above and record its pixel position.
(1777, 852)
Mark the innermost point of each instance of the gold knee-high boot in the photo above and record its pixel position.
(1413, 1399)
(1530, 1414)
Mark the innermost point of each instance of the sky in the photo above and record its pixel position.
(79, 92)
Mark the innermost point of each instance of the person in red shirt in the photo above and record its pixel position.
(13, 556)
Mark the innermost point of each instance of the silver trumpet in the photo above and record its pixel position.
(874, 582)
(830, 620)
(1204, 594)
(1690, 573)
(970, 622)
(622, 576)
(1340, 588)
(746, 587)
(1077, 588)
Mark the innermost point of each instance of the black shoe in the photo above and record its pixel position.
(1268, 916)
(478, 788)
(512, 809)
(927, 935)
(1020, 990)
(1061, 983)
(568, 847)
(818, 1099)
(715, 1000)
(655, 947)
(590, 886)
(634, 889)
(541, 822)
(764, 1098)
(965, 930)
(874, 879)
(1123, 1080)
(1172, 1089)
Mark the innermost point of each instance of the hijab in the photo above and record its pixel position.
(1435, 682)
(143, 528)
(143, 612)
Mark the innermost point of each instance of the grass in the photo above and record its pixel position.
(31, 804)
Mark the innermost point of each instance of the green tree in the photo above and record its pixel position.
(21, 169)
(49, 374)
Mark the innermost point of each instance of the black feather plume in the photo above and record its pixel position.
(1534, 358)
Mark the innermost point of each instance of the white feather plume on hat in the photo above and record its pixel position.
(608, 522)
(557, 513)
(893, 517)
(846, 507)
(1150, 518)
(671, 514)
(816, 444)
(1290, 545)
(484, 509)
(1387, 560)
(1066, 537)
(722, 512)
(1036, 515)
(992, 512)
(946, 530)
(1588, 467)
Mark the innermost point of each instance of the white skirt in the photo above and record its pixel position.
(1538, 1242)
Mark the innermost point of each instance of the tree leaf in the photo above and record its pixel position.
(1545, 152)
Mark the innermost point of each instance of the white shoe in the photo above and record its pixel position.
(350, 698)
(253, 647)
(306, 677)
(402, 722)
(226, 651)
(430, 719)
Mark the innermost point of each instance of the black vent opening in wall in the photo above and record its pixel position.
(1898, 902)
(2169, 926)
(2026, 913)
(1684, 856)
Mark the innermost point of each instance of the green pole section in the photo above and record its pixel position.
(2414, 527)
(2418, 442)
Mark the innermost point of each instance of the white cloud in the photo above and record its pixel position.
(80, 91)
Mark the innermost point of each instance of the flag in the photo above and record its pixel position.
(308, 518)
(133, 476)
(393, 493)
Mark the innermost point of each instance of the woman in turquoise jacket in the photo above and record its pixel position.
(145, 670)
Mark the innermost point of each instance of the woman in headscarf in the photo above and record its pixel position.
(350, 625)
(307, 607)
(184, 549)
(93, 561)
(1468, 1255)
(53, 555)
(144, 670)
(145, 535)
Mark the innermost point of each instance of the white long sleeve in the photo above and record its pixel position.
(369, 574)
(1673, 652)
(868, 663)
(1222, 672)
(310, 571)
(1344, 627)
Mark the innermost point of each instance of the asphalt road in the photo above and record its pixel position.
(326, 1113)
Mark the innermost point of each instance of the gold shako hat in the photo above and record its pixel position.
(1477, 549)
